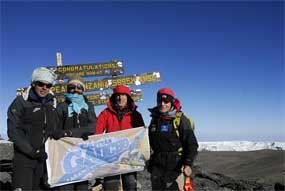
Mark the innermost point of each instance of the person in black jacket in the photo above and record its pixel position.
(32, 118)
(77, 118)
(174, 148)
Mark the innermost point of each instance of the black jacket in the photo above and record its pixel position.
(31, 120)
(84, 123)
(165, 142)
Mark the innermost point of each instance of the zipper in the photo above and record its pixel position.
(78, 122)
(45, 123)
(121, 124)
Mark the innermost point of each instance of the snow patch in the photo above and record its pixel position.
(240, 146)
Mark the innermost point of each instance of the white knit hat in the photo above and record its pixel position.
(43, 74)
(77, 81)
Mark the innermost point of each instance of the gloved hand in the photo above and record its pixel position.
(40, 155)
(84, 136)
(57, 134)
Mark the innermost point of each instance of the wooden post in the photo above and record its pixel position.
(58, 59)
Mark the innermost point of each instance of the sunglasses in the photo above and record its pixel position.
(165, 100)
(41, 84)
(73, 86)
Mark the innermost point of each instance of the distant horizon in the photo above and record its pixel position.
(5, 138)
(280, 144)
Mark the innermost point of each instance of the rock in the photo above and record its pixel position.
(6, 156)
(211, 181)
(6, 150)
(279, 187)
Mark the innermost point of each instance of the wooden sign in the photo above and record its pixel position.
(107, 83)
(111, 68)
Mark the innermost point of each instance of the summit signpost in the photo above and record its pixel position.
(107, 83)
(94, 88)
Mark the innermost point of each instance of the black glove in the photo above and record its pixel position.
(40, 155)
(84, 136)
(57, 134)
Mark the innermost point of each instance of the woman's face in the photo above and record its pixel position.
(75, 88)
(164, 106)
(164, 103)
(122, 100)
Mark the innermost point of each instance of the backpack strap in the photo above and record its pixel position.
(176, 124)
(177, 121)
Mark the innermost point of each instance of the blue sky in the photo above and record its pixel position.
(224, 60)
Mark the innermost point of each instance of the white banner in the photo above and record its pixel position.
(74, 160)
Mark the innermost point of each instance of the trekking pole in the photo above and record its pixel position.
(188, 184)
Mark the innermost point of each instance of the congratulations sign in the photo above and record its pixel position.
(93, 69)
(74, 160)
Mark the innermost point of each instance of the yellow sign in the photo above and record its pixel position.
(93, 69)
(113, 82)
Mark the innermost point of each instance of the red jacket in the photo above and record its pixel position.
(108, 120)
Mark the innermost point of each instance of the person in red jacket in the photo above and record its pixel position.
(120, 114)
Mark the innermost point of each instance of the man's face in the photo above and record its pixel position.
(164, 103)
(42, 88)
(122, 100)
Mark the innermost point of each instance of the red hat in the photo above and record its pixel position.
(121, 89)
(166, 91)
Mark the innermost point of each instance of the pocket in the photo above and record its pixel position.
(173, 161)
(167, 160)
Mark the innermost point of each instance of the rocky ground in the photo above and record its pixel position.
(214, 181)
(263, 166)
(225, 171)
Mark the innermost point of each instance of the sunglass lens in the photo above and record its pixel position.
(165, 100)
(79, 86)
(48, 85)
(71, 87)
(41, 84)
